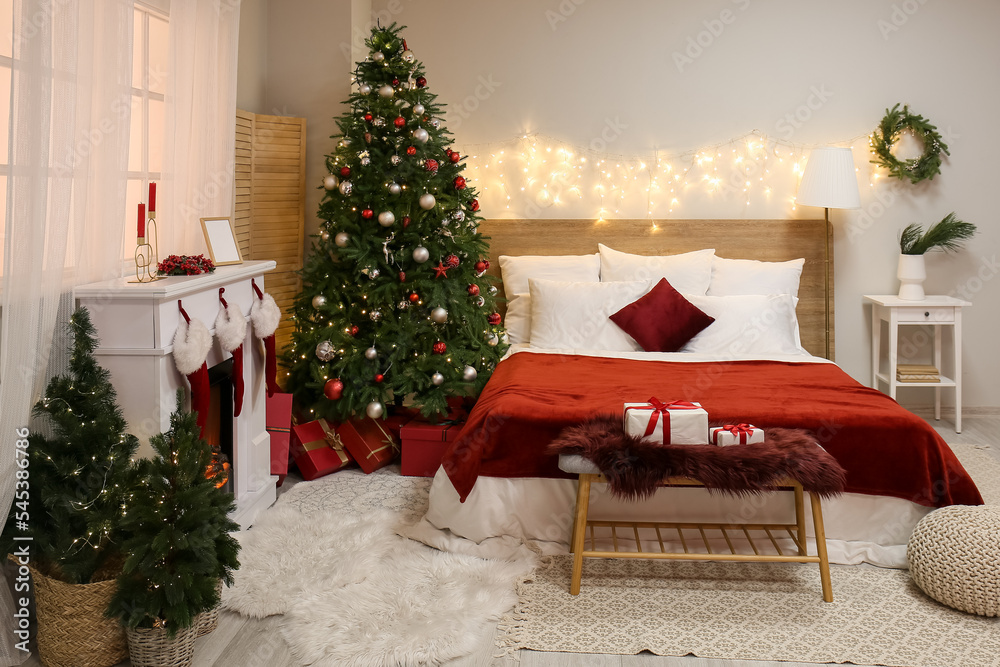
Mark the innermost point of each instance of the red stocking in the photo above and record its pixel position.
(231, 330)
(191, 345)
(265, 316)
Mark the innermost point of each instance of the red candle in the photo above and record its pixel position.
(142, 221)
(152, 197)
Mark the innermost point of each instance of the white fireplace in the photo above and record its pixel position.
(136, 325)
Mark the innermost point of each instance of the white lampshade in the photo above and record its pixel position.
(829, 180)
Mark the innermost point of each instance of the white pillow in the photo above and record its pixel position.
(518, 319)
(517, 270)
(747, 324)
(688, 273)
(749, 276)
(575, 315)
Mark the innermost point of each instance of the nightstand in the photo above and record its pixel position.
(933, 311)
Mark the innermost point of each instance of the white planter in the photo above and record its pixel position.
(911, 274)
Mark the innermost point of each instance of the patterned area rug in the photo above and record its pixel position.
(754, 611)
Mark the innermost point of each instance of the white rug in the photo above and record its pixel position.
(352, 591)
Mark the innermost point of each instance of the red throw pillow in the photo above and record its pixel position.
(662, 320)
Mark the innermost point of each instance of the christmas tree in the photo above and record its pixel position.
(177, 521)
(74, 482)
(394, 302)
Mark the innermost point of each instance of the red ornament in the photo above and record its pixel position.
(459, 183)
(414, 297)
(379, 377)
(440, 270)
(451, 261)
(487, 263)
(454, 156)
(367, 214)
(474, 205)
(345, 172)
(411, 150)
(333, 389)
(421, 81)
(448, 151)
(395, 82)
(368, 117)
(406, 221)
(399, 122)
(439, 347)
(473, 290)
(402, 276)
(481, 266)
(494, 319)
(431, 166)
(354, 329)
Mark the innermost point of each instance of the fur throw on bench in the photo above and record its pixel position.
(634, 467)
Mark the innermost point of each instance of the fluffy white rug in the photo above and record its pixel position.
(353, 592)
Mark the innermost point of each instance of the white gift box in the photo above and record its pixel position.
(736, 434)
(674, 423)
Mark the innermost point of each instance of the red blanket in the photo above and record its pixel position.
(530, 398)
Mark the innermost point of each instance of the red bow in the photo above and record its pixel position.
(661, 408)
(741, 430)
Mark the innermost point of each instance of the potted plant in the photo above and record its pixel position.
(64, 523)
(179, 546)
(946, 235)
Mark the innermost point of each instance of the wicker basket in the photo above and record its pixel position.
(72, 628)
(151, 647)
(207, 621)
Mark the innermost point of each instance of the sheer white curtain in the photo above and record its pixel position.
(69, 136)
(200, 121)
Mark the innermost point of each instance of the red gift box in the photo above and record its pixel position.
(278, 419)
(424, 444)
(369, 442)
(318, 449)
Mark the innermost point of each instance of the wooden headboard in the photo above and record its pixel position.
(767, 240)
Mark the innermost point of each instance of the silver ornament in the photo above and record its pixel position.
(346, 187)
(319, 301)
(373, 274)
(479, 301)
(420, 134)
(386, 90)
(325, 235)
(439, 315)
(324, 351)
(403, 305)
(371, 353)
(395, 160)
(375, 315)
(378, 56)
(437, 379)
(493, 290)
(395, 188)
(458, 215)
(418, 109)
(378, 122)
(435, 123)
(469, 374)
(408, 56)
(492, 340)
(330, 182)
(365, 161)
(386, 218)
(375, 410)
(427, 201)
(365, 89)
(341, 239)
(421, 254)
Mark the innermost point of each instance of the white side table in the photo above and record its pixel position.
(934, 311)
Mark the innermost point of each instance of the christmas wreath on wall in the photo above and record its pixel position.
(895, 122)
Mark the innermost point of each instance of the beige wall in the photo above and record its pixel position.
(251, 77)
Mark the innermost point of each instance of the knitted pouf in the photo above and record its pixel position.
(954, 556)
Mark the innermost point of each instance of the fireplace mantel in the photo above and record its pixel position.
(136, 325)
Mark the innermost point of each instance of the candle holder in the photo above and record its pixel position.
(147, 255)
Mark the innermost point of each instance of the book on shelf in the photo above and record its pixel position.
(916, 369)
(918, 378)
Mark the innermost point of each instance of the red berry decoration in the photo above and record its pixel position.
(439, 347)
(451, 261)
(402, 276)
(368, 117)
(454, 156)
(473, 290)
(354, 329)
(406, 221)
(345, 172)
(431, 166)
(481, 266)
(494, 319)
(459, 183)
(414, 297)
(421, 81)
(333, 389)
(379, 377)
(474, 205)
(399, 122)
(367, 214)
(411, 150)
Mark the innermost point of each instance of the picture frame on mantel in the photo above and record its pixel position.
(221, 239)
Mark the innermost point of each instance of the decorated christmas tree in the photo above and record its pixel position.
(75, 480)
(177, 521)
(394, 302)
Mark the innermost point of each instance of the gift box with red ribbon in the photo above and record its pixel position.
(370, 443)
(318, 449)
(424, 444)
(278, 421)
(673, 422)
(736, 434)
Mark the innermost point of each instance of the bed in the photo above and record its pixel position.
(764, 355)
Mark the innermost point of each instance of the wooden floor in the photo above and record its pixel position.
(239, 642)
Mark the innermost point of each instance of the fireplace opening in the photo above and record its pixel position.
(219, 425)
